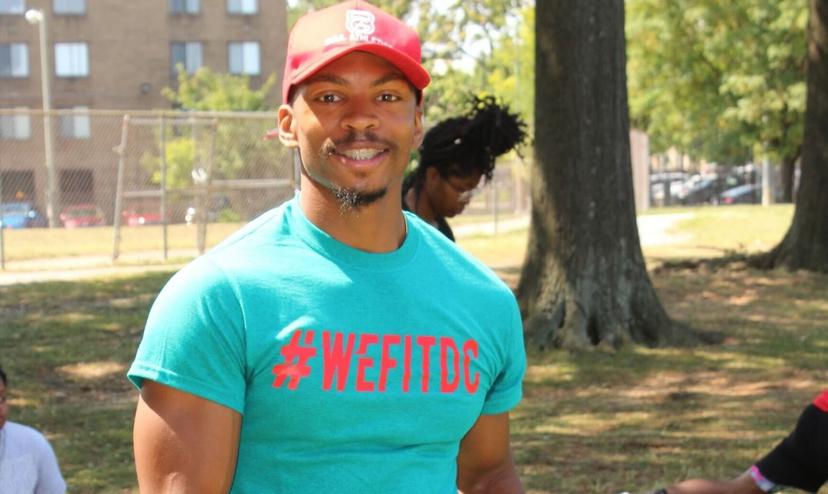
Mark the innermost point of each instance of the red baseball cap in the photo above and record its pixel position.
(320, 37)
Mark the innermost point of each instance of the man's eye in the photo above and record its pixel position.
(329, 98)
(389, 98)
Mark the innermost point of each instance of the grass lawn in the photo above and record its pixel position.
(38, 243)
(594, 422)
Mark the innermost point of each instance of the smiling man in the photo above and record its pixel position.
(335, 344)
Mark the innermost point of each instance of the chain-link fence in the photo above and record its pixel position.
(157, 182)
(136, 169)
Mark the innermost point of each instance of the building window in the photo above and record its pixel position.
(76, 125)
(246, 7)
(71, 7)
(186, 54)
(16, 126)
(14, 60)
(71, 60)
(184, 6)
(244, 58)
(12, 6)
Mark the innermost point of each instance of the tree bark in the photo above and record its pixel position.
(787, 174)
(584, 281)
(805, 246)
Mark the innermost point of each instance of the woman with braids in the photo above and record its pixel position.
(455, 155)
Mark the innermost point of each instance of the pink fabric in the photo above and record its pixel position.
(821, 401)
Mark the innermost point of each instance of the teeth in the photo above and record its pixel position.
(361, 154)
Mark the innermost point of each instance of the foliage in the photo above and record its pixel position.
(227, 148)
(206, 90)
(718, 79)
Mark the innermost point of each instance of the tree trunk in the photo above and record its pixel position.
(805, 246)
(787, 175)
(584, 280)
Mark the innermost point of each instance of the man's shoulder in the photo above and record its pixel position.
(24, 434)
(269, 226)
(456, 263)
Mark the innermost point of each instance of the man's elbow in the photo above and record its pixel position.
(501, 479)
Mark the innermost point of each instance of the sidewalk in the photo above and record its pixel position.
(652, 230)
(86, 267)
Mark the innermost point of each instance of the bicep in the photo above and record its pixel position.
(485, 457)
(183, 443)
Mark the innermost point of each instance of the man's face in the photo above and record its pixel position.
(4, 404)
(354, 123)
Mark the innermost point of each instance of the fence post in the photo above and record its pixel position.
(119, 189)
(2, 228)
(163, 211)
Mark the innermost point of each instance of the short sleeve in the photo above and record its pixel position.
(507, 389)
(49, 479)
(800, 460)
(194, 338)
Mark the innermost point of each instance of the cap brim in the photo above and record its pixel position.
(411, 69)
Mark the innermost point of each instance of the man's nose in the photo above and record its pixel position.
(360, 116)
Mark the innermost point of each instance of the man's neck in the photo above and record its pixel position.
(417, 201)
(376, 227)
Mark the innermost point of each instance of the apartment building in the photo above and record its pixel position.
(114, 55)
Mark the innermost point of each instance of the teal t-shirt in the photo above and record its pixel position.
(354, 372)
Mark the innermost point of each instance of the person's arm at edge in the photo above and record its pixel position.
(744, 484)
(50, 480)
(484, 462)
(183, 443)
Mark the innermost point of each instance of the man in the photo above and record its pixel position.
(335, 344)
(800, 460)
(27, 462)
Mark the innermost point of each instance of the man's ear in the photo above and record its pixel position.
(287, 127)
(419, 133)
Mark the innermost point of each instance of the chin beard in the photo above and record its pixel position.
(353, 200)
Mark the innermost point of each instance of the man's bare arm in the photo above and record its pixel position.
(183, 443)
(484, 463)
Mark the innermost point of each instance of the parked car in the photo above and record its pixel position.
(21, 215)
(743, 194)
(81, 215)
(134, 218)
(701, 189)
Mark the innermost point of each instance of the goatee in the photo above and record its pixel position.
(352, 200)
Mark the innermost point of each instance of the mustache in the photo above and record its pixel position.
(330, 145)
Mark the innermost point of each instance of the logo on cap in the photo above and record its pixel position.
(360, 23)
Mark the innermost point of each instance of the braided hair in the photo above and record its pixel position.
(470, 143)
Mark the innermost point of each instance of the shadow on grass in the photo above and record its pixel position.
(641, 418)
(66, 348)
(594, 422)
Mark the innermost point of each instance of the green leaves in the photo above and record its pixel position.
(718, 79)
(206, 90)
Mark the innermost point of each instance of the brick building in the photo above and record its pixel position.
(114, 55)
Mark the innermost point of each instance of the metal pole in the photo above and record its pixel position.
(767, 198)
(164, 184)
(39, 17)
(119, 189)
(2, 227)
